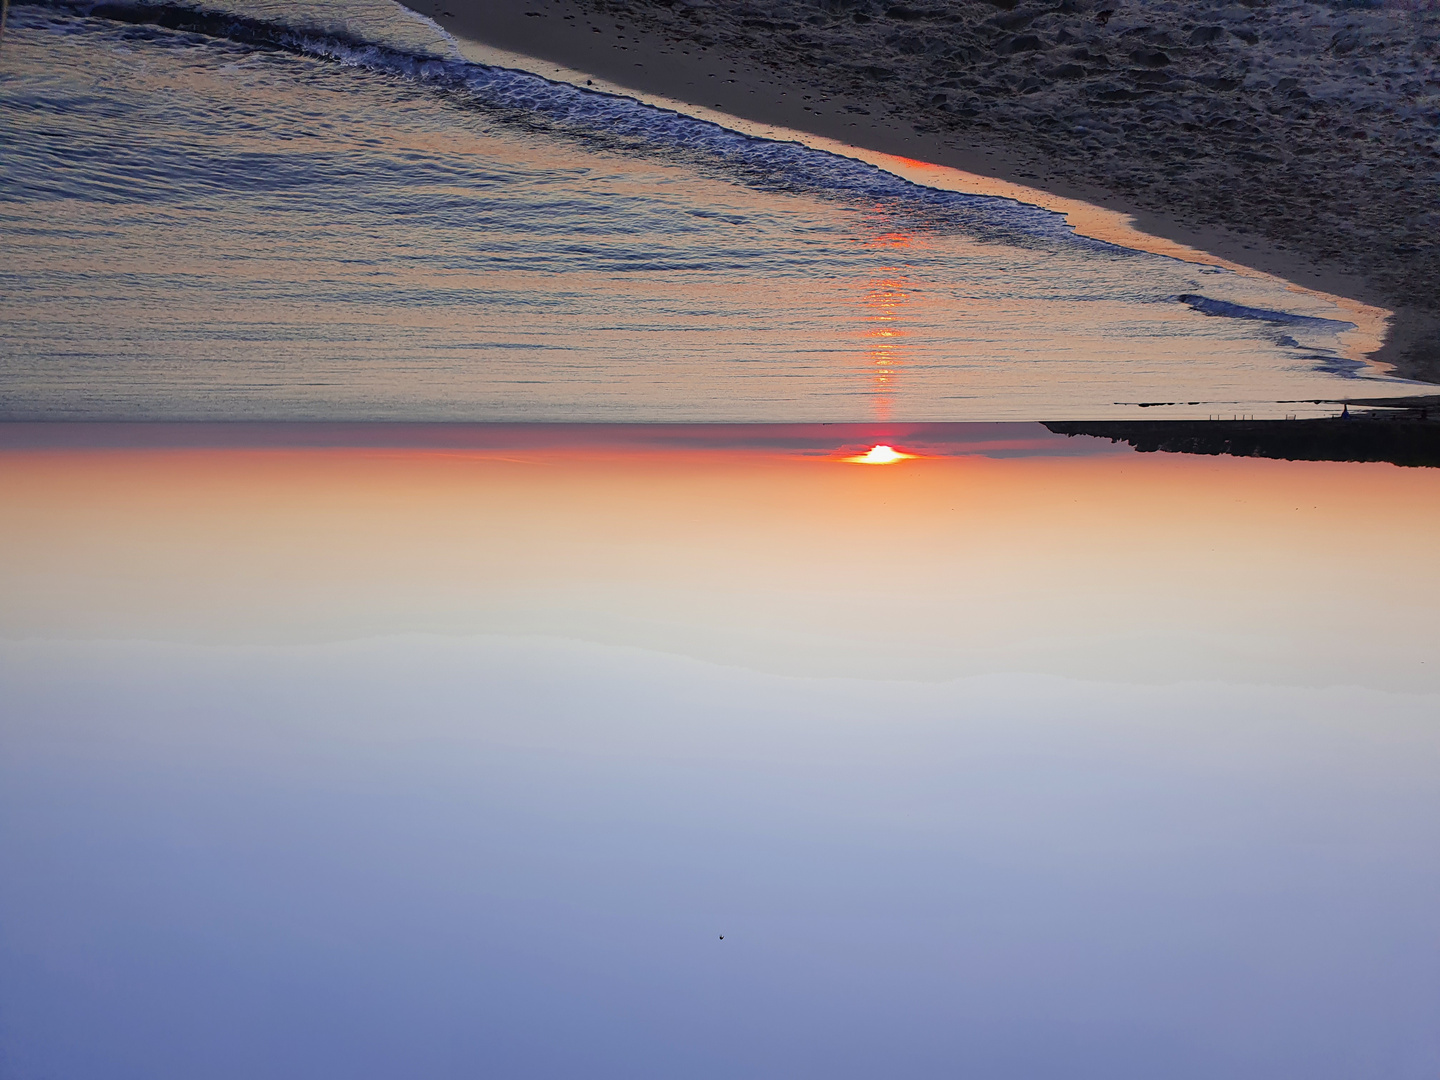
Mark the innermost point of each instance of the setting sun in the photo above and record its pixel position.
(880, 455)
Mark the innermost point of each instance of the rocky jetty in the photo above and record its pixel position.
(1409, 437)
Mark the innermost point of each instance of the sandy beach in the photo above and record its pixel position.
(1299, 139)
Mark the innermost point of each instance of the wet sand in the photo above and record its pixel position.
(1301, 140)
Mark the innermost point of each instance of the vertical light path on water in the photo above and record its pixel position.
(292, 212)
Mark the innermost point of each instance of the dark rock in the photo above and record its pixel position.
(1023, 43)
(1347, 40)
(1150, 58)
(1014, 20)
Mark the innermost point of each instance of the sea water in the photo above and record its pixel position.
(277, 211)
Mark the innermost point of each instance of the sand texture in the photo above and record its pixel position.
(1301, 138)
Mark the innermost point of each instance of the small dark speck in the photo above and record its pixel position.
(722, 937)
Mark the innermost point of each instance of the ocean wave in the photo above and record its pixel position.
(1226, 310)
(1321, 359)
(387, 173)
(619, 124)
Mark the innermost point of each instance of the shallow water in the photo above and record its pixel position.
(323, 213)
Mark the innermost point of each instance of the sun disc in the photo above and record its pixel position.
(880, 455)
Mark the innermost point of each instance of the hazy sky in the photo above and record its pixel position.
(762, 550)
(458, 760)
(515, 857)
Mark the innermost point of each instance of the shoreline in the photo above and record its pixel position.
(1373, 323)
(630, 55)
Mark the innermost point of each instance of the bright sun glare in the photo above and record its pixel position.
(879, 455)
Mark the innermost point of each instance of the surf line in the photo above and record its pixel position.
(1370, 324)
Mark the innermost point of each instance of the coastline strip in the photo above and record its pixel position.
(1371, 322)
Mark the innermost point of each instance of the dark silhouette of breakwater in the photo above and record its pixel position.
(1410, 438)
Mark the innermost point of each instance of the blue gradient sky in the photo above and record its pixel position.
(457, 760)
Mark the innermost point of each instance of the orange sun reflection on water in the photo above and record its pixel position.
(884, 299)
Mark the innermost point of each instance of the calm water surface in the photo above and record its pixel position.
(320, 212)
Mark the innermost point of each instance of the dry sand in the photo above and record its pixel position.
(1301, 139)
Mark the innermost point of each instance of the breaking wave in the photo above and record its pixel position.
(608, 121)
